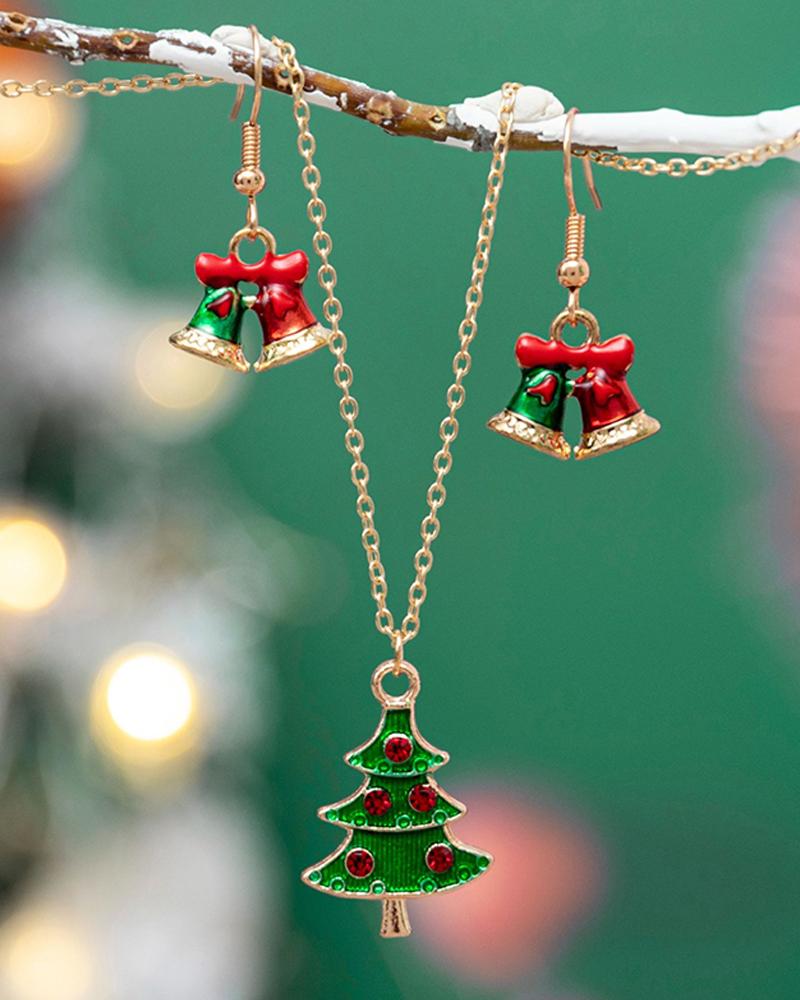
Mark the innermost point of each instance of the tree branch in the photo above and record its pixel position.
(470, 124)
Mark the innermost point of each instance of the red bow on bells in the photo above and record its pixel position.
(534, 352)
(603, 391)
(280, 305)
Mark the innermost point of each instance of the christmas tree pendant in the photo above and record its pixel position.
(290, 330)
(611, 416)
(399, 844)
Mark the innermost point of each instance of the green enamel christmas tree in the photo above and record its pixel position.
(399, 843)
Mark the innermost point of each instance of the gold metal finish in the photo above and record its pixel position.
(569, 187)
(405, 700)
(583, 316)
(249, 179)
(125, 40)
(398, 644)
(703, 166)
(258, 80)
(637, 427)
(109, 86)
(573, 271)
(575, 236)
(291, 74)
(297, 345)
(247, 233)
(395, 922)
(531, 433)
(204, 345)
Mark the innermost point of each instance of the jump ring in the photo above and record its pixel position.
(588, 319)
(259, 233)
(405, 700)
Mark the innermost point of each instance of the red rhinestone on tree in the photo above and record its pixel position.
(439, 858)
(360, 863)
(422, 798)
(377, 801)
(398, 748)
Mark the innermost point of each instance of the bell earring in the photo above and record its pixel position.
(612, 418)
(289, 327)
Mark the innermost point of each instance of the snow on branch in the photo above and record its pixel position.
(470, 124)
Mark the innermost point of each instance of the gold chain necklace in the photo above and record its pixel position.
(702, 166)
(291, 74)
(109, 86)
(399, 843)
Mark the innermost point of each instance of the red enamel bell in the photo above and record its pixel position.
(289, 328)
(612, 418)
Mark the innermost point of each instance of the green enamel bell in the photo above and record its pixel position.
(535, 414)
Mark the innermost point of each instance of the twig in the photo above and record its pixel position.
(469, 124)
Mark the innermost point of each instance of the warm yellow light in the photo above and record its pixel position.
(150, 696)
(37, 138)
(33, 565)
(145, 713)
(173, 379)
(26, 130)
(43, 957)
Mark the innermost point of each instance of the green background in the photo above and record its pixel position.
(592, 628)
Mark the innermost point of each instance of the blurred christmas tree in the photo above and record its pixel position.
(134, 600)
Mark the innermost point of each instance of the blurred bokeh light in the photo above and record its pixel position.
(44, 957)
(26, 132)
(172, 379)
(33, 564)
(144, 705)
(38, 137)
(546, 878)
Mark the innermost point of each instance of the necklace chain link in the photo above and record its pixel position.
(291, 75)
(109, 86)
(703, 166)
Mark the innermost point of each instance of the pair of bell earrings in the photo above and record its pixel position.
(612, 417)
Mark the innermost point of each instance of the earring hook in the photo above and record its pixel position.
(569, 187)
(258, 61)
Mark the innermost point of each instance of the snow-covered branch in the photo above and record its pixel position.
(226, 53)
